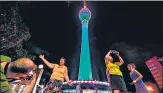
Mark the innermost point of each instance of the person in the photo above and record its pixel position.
(116, 77)
(137, 79)
(78, 89)
(59, 73)
(18, 69)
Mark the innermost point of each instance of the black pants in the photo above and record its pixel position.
(118, 83)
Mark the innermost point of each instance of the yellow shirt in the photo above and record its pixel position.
(113, 69)
(58, 73)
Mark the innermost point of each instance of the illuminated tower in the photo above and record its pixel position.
(85, 70)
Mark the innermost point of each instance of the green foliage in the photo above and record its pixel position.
(20, 52)
(4, 58)
(15, 32)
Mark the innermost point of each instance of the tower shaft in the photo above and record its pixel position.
(85, 69)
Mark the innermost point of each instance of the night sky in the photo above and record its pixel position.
(132, 28)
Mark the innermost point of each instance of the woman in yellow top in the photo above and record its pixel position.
(116, 77)
(59, 74)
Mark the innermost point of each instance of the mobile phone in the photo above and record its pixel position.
(114, 52)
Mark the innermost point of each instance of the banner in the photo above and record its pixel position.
(156, 70)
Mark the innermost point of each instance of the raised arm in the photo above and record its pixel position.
(50, 65)
(107, 57)
(121, 62)
(139, 76)
(108, 54)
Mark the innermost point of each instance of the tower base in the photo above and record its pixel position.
(87, 87)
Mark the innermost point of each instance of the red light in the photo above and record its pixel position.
(150, 88)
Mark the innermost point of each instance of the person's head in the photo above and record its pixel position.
(22, 67)
(110, 59)
(131, 66)
(62, 61)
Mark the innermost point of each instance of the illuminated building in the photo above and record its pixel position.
(85, 70)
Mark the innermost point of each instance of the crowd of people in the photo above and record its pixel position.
(23, 67)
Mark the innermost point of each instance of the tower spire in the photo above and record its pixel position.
(84, 3)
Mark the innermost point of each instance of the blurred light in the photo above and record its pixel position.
(89, 82)
(40, 66)
(150, 88)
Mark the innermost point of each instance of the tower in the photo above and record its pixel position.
(85, 69)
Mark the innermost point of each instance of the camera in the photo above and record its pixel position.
(114, 52)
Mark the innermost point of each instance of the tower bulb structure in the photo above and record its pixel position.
(85, 69)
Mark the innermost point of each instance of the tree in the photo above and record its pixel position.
(20, 52)
(13, 32)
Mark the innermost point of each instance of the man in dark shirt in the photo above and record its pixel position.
(18, 69)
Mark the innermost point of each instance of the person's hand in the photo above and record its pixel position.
(117, 53)
(69, 83)
(134, 82)
(41, 56)
(110, 51)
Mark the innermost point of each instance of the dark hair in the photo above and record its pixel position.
(114, 57)
(16, 69)
(63, 58)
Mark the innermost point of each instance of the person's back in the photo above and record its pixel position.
(4, 84)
